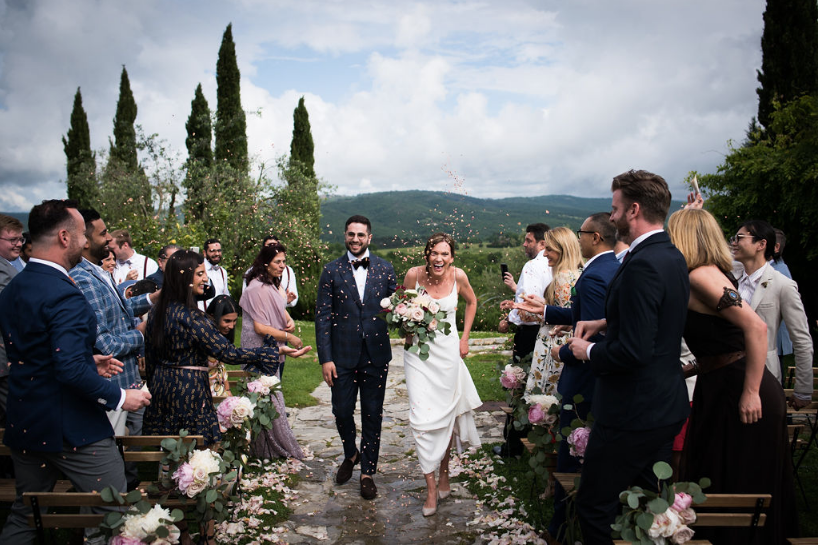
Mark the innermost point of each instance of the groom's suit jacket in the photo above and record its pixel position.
(343, 323)
(587, 303)
(639, 382)
(115, 332)
(55, 394)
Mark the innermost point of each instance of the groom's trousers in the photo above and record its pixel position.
(370, 380)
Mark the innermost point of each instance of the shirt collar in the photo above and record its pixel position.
(353, 258)
(753, 278)
(211, 266)
(596, 256)
(639, 240)
(50, 264)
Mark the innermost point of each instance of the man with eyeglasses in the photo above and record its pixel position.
(11, 242)
(775, 298)
(216, 273)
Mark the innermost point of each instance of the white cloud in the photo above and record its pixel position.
(514, 98)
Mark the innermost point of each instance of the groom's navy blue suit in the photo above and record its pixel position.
(349, 333)
(587, 303)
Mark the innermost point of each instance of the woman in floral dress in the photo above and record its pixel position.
(565, 259)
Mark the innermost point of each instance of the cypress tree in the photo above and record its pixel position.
(302, 148)
(199, 154)
(80, 160)
(123, 148)
(231, 125)
(789, 46)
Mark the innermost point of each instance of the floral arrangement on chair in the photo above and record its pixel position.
(659, 518)
(413, 313)
(141, 523)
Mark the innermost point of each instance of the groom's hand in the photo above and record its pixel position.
(329, 372)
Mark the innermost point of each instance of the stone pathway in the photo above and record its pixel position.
(329, 513)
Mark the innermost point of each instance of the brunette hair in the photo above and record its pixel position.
(646, 188)
(177, 287)
(359, 219)
(46, 217)
(259, 267)
(218, 307)
(761, 230)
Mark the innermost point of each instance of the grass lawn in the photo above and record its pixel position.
(483, 369)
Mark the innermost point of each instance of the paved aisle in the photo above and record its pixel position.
(329, 513)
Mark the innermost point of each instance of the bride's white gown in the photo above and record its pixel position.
(442, 396)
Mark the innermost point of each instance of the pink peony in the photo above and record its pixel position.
(183, 476)
(225, 411)
(682, 535)
(578, 439)
(535, 414)
(682, 502)
(512, 377)
(124, 540)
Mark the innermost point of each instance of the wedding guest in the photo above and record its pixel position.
(737, 434)
(164, 254)
(224, 313)
(288, 282)
(263, 303)
(178, 340)
(130, 264)
(108, 263)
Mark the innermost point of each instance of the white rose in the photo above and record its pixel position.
(269, 381)
(416, 314)
(195, 488)
(385, 302)
(242, 411)
(434, 308)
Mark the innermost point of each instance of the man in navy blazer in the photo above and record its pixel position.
(640, 398)
(57, 400)
(353, 346)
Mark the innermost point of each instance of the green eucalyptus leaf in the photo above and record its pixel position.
(162, 531)
(211, 496)
(658, 505)
(662, 470)
(644, 520)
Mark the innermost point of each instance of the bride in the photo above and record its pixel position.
(442, 396)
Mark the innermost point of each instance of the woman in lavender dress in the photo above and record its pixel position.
(265, 313)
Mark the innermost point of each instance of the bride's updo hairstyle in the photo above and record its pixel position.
(436, 239)
(697, 234)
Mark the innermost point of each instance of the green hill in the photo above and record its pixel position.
(409, 217)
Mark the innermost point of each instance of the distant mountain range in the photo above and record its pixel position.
(409, 217)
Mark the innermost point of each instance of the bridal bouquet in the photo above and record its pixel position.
(663, 517)
(413, 313)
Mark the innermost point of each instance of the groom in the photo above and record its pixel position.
(353, 346)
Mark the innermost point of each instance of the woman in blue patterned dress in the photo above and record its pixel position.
(178, 341)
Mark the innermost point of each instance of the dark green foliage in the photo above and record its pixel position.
(123, 147)
(231, 123)
(789, 67)
(774, 179)
(301, 148)
(200, 154)
(80, 160)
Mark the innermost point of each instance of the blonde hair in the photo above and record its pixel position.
(565, 243)
(697, 234)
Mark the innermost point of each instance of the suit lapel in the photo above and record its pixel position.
(345, 270)
(761, 288)
(650, 241)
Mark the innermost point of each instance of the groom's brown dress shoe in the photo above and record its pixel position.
(368, 489)
(345, 471)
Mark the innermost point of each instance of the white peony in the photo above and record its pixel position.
(544, 401)
(141, 526)
(385, 302)
(270, 381)
(205, 459)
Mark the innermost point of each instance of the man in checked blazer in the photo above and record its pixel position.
(353, 346)
(118, 332)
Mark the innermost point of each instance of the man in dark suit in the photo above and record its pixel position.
(11, 242)
(353, 346)
(57, 400)
(640, 399)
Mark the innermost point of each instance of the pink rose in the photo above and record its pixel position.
(535, 414)
(688, 516)
(124, 540)
(682, 535)
(578, 439)
(682, 502)
(401, 309)
(183, 476)
(432, 325)
(416, 314)
(434, 307)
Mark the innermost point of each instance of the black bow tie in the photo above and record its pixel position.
(361, 263)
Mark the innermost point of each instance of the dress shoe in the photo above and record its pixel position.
(345, 471)
(443, 494)
(368, 489)
(429, 511)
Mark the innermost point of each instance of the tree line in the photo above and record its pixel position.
(162, 200)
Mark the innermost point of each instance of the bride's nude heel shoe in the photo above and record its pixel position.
(429, 511)
(443, 494)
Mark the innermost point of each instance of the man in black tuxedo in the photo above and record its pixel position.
(640, 399)
(353, 346)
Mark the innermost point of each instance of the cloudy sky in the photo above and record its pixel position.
(489, 98)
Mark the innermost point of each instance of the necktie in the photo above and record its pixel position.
(361, 263)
